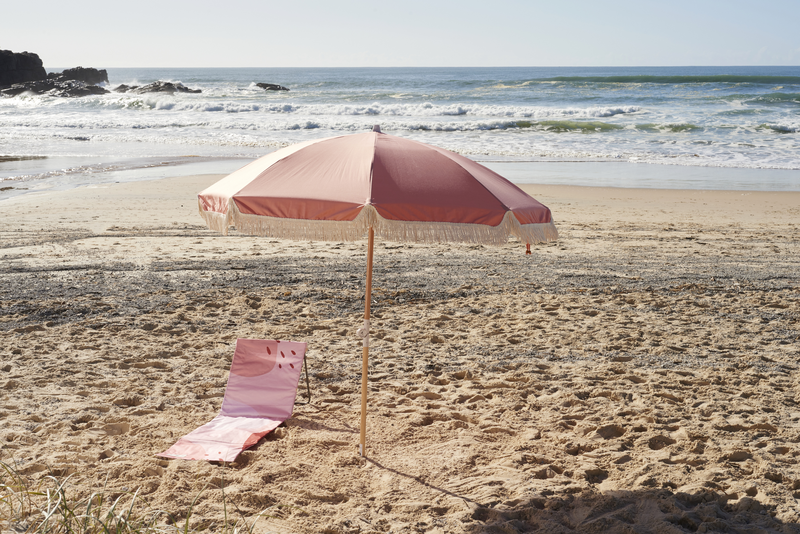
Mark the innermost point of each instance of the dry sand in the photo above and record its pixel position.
(638, 376)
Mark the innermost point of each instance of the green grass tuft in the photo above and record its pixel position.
(48, 506)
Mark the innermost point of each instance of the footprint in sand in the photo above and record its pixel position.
(608, 432)
(116, 429)
(739, 455)
(430, 395)
(154, 471)
(657, 443)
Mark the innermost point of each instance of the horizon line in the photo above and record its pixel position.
(443, 67)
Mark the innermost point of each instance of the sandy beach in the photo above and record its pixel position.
(639, 375)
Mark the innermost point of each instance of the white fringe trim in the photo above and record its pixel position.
(388, 230)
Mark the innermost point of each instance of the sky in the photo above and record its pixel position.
(406, 33)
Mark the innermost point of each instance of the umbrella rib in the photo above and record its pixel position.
(372, 166)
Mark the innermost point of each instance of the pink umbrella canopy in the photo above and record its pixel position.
(335, 189)
(341, 188)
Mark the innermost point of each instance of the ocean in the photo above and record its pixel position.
(665, 127)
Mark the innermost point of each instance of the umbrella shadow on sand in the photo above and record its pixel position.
(471, 503)
(642, 510)
(592, 510)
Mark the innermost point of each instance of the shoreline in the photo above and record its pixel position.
(176, 198)
(612, 174)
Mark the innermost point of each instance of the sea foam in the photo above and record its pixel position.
(699, 117)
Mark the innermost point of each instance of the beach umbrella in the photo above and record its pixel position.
(373, 184)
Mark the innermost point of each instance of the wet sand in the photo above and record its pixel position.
(640, 375)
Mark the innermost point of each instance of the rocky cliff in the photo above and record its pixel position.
(20, 67)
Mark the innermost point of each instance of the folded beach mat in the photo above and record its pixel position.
(259, 396)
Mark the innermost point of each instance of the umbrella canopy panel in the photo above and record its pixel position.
(336, 188)
(325, 181)
(418, 182)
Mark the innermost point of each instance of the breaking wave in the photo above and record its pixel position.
(781, 127)
(391, 109)
(676, 128)
(717, 78)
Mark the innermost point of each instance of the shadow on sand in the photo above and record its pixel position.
(621, 511)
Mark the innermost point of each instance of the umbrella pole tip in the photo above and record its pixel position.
(527, 248)
(377, 128)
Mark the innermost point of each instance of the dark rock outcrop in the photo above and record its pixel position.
(24, 73)
(63, 88)
(86, 75)
(271, 87)
(155, 87)
(20, 68)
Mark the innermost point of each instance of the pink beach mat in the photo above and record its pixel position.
(259, 396)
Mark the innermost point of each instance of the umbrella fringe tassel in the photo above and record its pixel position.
(444, 232)
(219, 222)
(388, 230)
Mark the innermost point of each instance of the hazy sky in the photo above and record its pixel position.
(342, 33)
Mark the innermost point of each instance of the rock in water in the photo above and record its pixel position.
(156, 87)
(53, 88)
(86, 75)
(20, 68)
(271, 87)
(76, 88)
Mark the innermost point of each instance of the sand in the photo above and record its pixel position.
(640, 375)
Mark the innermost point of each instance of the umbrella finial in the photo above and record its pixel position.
(377, 128)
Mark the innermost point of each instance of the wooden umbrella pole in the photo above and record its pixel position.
(362, 449)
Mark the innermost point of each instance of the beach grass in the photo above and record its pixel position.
(54, 505)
